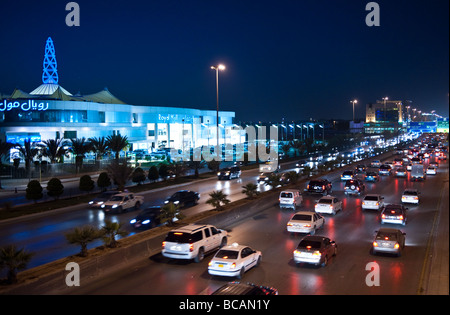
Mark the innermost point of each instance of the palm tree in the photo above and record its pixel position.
(5, 148)
(99, 146)
(54, 149)
(83, 236)
(169, 212)
(79, 148)
(120, 173)
(218, 198)
(28, 151)
(251, 190)
(116, 143)
(14, 260)
(110, 230)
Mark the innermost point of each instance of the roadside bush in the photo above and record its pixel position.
(34, 190)
(86, 183)
(55, 188)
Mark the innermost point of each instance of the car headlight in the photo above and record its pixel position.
(91, 202)
(146, 221)
(133, 221)
(114, 206)
(103, 206)
(166, 202)
(218, 174)
(176, 202)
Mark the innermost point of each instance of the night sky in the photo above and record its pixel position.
(284, 59)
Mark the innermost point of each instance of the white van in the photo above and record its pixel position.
(418, 172)
(290, 199)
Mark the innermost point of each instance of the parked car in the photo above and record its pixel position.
(290, 199)
(238, 288)
(320, 186)
(184, 198)
(391, 241)
(394, 214)
(328, 204)
(372, 202)
(315, 250)
(371, 177)
(193, 241)
(410, 195)
(305, 222)
(354, 187)
(234, 260)
(229, 173)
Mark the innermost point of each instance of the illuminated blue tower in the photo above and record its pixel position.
(50, 74)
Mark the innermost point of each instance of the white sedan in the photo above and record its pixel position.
(305, 222)
(328, 204)
(410, 196)
(234, 260)
(431, 170)
(372, 202)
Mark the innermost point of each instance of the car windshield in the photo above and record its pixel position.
(302, 217)
(286, 195)
(309, 244)
(227, 254)
(371, 198)
(326, 200)
(347, 173)
(116, 198)
(382, 235)
(410, 193)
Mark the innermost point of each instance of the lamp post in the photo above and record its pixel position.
(353, 102)
(217, 68)
(385, 99)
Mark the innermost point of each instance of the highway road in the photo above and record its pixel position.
(352, 229)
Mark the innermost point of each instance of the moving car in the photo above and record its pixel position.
(347, 175)
(264, 177)
(97, 202)
(320, 186)
(394, 214)
(193, 241)
(391, 241)
(315, 250)
(122, 202)
(354, 187)
(401, 172)
(372, 177)
(229, 173)
(237, 288)
(305, 222)
(290, 199)
(147, 218)
(431, 170)
(234, 260)
(418, 172)
(375, 163)
(328, 204)
(410, 195)
(372, 202)
(184, 198)
(385, 169)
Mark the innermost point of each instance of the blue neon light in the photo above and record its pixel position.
(50, 74)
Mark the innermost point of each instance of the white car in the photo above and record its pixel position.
(372, 202)
(410, 196)
(305, 222)
(431, 170)
(328, 204)
(234, 260)
(290, 199)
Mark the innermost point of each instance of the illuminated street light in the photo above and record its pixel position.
(354, 102)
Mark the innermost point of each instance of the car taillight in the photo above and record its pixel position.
(323, 187)
(164, 244)
(289, 224)
(233, 265)
(317, 253)
(191, 247)
(307, 225)
(416, 198)
(297, 252)
(210, 263)
(377, 204)
(307, 187)
(397, 245)
(383, 216)
(400, 217)
(331, 207)
(375, 244)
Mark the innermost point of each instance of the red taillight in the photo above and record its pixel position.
(397, 246)
(164, 244)
(323, 187)
(233, 265)
(191, 247)
(307, 225)
(383, 216)
(400, 217)
(307, 187)
(375, 244)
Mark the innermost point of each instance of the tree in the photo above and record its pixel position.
(14, 260)
(86, 183)
(99, 146)
(83, 236)
(120, 173)
(79, 147)
(54, 149)
(55, 188)
(138, 176)
(5, 148)
(28, 151)
(250, 190)
(116, 143)
(169, 212)
(163, 171)
(177, 168)
(34, 190)
(153, 174)
(217, 199)
(110, 230)
(103, 181)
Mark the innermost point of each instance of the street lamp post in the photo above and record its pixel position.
(354, 101)
(385, 99)
(217, 68)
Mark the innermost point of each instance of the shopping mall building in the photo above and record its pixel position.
(50, 112)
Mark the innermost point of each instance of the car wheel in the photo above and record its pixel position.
(335, 251)
(241, 273)
(200, 255)
(223, 242)
(258, 262)
(137, 206)
(325, 261)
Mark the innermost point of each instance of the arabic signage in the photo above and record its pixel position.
(29, 105)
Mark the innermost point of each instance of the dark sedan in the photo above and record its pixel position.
(146, 219)
(184, 198)
(315, 250)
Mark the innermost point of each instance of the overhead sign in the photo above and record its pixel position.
(29, 105)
